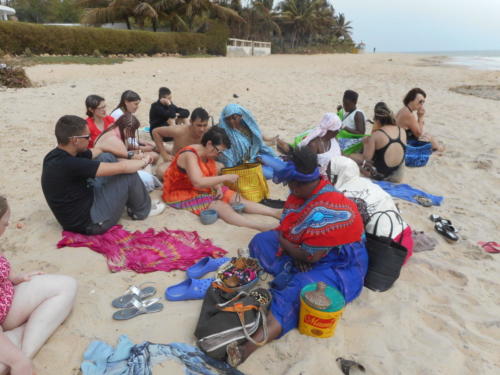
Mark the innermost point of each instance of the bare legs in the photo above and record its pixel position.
(238, 354)
(229, 215)
(39, 307)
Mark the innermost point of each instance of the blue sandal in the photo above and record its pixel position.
(204, 266)
(188, 289)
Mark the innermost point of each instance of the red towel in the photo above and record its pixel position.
(165, 250)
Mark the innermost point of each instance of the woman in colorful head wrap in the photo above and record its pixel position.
(320, 238)
(247, 144)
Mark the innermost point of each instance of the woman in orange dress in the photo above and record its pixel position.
(192, 183)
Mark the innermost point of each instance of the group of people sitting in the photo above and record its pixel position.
(91, 177)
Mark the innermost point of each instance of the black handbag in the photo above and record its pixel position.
(227, 316)
(385, 257)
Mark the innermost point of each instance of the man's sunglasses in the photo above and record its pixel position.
(87, 137)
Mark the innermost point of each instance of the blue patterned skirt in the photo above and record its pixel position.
(344, 267)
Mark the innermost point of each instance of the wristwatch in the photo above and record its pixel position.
(130, 155)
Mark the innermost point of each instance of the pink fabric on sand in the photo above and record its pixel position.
(406, 242)
(166, 250)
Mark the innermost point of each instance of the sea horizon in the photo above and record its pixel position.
(474, 59)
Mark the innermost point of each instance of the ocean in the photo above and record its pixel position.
(481, 60)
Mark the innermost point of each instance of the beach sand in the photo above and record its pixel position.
(441, 317)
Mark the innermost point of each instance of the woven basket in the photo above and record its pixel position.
(251, 185)
(417, 153)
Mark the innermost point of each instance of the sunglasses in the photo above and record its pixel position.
(217, 149)
(421, 101)
(87, 137)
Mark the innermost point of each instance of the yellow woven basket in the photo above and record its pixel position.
(251, 185)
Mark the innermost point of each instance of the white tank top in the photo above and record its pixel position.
(348, 121)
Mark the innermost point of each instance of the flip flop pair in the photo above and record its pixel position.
(194, 287)
(136, 302)
(445, 228)
(490, 247)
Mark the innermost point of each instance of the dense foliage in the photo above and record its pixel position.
(18, 37)
(289, 24)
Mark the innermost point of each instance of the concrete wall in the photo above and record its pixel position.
(244, 51)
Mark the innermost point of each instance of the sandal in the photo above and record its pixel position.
(436, 218)
(132, 293)
(423, 201)
(490, 247)
(346, 365)
(447, 231)
(139, 307)
(234, 357)
(188, 289)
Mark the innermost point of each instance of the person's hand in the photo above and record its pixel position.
(138, 155)
(22, 367)
(218, 192)
(147, 160)
(167, 157)
(302, 266)
(421, 112)
(424, 138)
(231, 178)
(18, 279)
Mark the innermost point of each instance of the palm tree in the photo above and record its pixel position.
(199, 11)
(109, 11)
(264, 24)
(298, 16)
(342, 27)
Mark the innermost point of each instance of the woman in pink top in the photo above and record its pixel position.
(97, 119)
(32, 306)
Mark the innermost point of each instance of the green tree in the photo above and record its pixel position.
(343, 27)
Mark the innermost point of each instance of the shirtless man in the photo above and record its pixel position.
(182, 135)
(411, 118)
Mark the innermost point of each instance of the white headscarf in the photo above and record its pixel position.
(329, 122)
(353, 185)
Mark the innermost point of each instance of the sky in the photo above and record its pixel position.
(423, 25)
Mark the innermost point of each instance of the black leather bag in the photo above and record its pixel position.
(228, 316)
(385, 257)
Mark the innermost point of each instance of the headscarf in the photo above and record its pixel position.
(329, 122)
(353, 185)
(242, 149)
(290, 173)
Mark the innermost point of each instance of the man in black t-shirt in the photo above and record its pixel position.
(88, 196)
(165, 113)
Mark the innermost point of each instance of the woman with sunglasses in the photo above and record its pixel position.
(247, 144)
(383, 151)
(411, 118)
(97, 120)
(32, 306)
(192, 183)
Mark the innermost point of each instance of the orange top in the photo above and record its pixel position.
(176, 183)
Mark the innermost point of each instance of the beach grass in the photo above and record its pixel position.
(87, 60)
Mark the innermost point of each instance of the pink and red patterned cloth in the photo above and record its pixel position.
(165, 250)
(6, 288)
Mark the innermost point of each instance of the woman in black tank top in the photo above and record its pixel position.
(384, 150)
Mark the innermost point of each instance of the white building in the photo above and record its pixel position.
(5, 11)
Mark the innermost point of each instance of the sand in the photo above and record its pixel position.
(441, 317)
